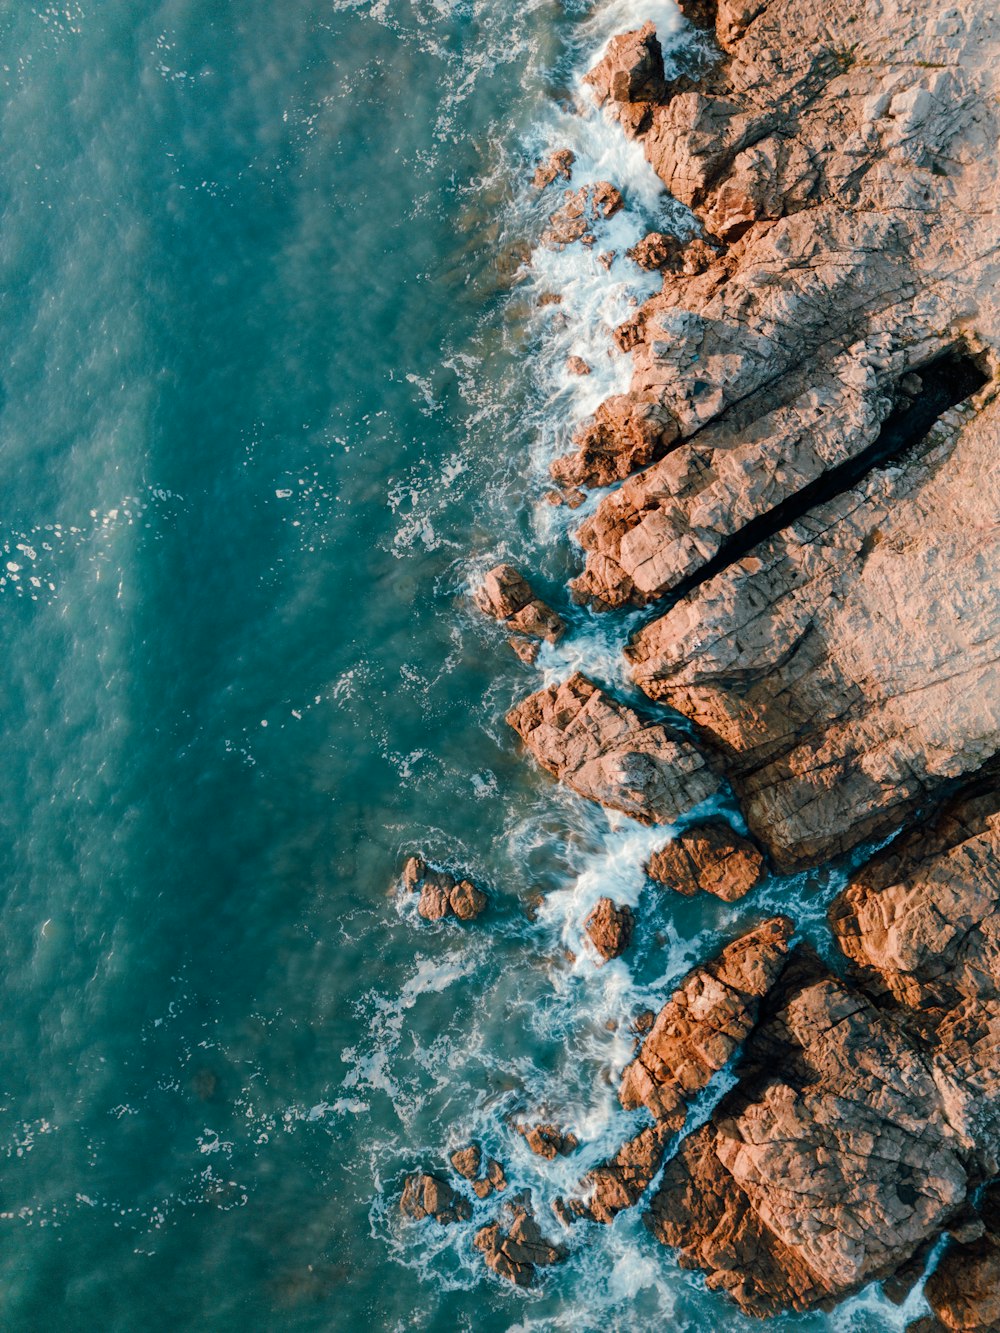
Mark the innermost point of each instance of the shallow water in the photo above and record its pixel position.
(271, 397)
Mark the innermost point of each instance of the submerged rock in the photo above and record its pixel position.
(441, 894)
(605, 752)
(581, 209)
(610, 928)
(514, 1247)
(703, 1023)
(425, 1196)
(709, 857)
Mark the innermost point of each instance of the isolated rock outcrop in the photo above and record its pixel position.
(710, 858)
(630, 75)
(605, 752)
(506, 595)
(425, 1196)
(557, 164)
(703, 1023)
(468, 1162)
(441, 894)
(581, 209)
(549, 1141)
(610, 928)
(513, 1246)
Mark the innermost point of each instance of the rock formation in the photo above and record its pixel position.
(506, 595)
(468, 1163)
(709, 857)
(548, 1140)
(703, 1024)
(580, 210)
(610, 928)
(558, 164)
(619, 1183)
(513, 1246)
(441, 894)
(425, 1196)
(607, 753)
(964, 1289)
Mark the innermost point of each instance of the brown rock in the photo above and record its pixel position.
(708, 857)
(608, 754)
(618, 1184)
(548, 1140)
(610, 928)
(828, 1166)
(467, 1161)
(428, 1196)
(526, 649)
(699, 12)
(624, 435)
(441, 894)
(506, 595)
(703, 1023)
(513, 1247)
(558, 164)
(581, 209)
(964, 1288)
(577, 366)
(655, 251)
(631, 70)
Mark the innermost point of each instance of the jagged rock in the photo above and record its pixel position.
(699, 12)
(964, 1289)
(441, 894)
(709, 857)
(548, 1140)
(619, 1183)
(468, 1163)
(526, 649)
(558, 164)
(656, 251)
(425, 1195)
(848, 667)
(631, 70)
(610, 928)
(581, 209)
(506, 595)
(623, 435)
(920, 922)
(827, 1167)
(513, 1247)
(703, 1023)
(605, 752)
(577, 366)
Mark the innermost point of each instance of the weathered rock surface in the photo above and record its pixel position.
(704, 1022)
(513, 1246)
(558, 164)
(828, 1167)
(964, 1289)
(847, 668)
(625, 433)
(605, 752)
(506, 595)
(441, 894)
(619, 1183)
(630, 72)
(425, 1196)
(468, 1162)
(549, 1141)
(710, 858)
(610, 928)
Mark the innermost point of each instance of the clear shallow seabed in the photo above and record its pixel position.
(269, 400)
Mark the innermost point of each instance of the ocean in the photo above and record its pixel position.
(277, 387)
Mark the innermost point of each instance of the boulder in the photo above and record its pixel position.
(441, 894)
(709, 858)
(631, 69)
(577, 366)
(581, 209)
(506, 595)
(622, 435)
(514, 1247)
(606, 753)
(619, 1183)
(468, 1162)
(610, 928)
(703, 1024)
(425, 1195)
(964, 1289)
(558, 164)
(548, 1140)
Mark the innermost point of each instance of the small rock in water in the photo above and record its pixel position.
(560, 163)
(548, 1140)
(513, 1246)
(425, 1196)
(577, 366)
(441, 894)
(506, 595)
(610, 928)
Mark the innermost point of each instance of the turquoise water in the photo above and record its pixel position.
(270, 399)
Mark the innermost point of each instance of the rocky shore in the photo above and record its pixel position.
(806, 497)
